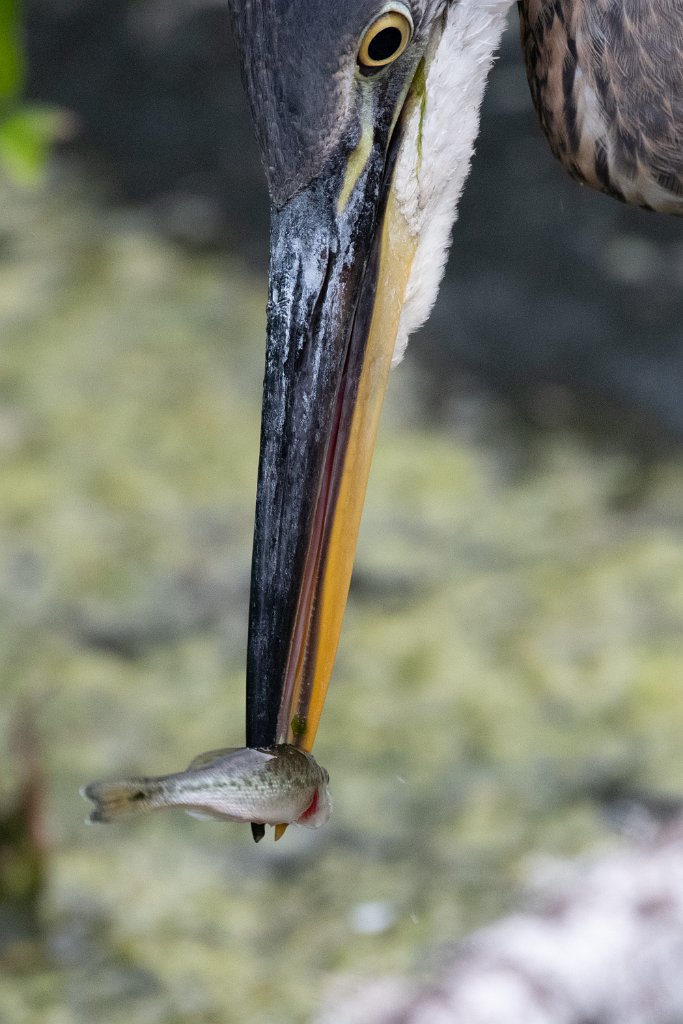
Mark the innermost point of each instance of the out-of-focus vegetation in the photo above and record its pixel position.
(27, 130)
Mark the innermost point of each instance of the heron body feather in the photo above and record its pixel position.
(606, 78)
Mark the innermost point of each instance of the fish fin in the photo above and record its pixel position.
(250, 755)
(210, 757)
(119, 799)
(280, 830)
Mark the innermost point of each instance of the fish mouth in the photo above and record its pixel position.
(319, 810)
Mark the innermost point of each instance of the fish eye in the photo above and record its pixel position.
(385, 39)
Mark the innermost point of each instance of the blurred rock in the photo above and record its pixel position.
(603, 942)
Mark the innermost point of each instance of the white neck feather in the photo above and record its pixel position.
(428, 190)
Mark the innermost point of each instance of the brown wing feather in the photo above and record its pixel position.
(606, 77)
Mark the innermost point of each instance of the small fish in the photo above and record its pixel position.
(278, 785)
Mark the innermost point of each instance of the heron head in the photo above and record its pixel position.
(366, 113)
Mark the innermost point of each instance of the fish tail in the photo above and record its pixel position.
(122, 798)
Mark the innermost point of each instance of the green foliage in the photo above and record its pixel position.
(11, 56)
(25, 139)
(26, 130)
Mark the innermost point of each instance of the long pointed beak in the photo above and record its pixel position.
(340, 258)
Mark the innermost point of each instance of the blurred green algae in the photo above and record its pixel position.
(512, 649)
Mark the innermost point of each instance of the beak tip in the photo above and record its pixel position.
(257, 831)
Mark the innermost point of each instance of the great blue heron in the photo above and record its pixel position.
(366, 113)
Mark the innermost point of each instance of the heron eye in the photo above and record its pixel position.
(385, 40)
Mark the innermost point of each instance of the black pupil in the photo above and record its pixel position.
(385, 44)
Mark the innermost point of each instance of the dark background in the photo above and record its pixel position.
(567, 302)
